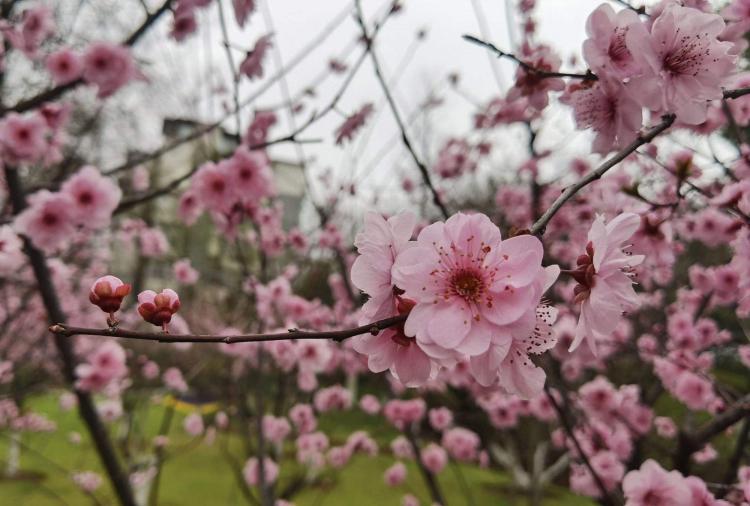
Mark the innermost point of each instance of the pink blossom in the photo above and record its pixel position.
(212, 186)
(275, 429)
(250, 175)
(332, 398)
(65, 66)
(379, 244)
(462, 444)
(532, 86)
(11, 254)
(402, 413)
(353, 123)
(257, 132)
(23, 138)
(153, 242)
(685, 64)
(107, 292)
(158, 309)
(434, 458)
(184, 272)
(651, 485)
(48, 221)
(108, 66)
(94, 197)
(370, 404)
(189, 208)
(303, 418)
(606, 51)
(606, 107)
(193, 424)
(35, 26)
(454, 159)
(251, 471)
(605, 288)
(252, 65)
(395, 475)
(88, 481)
(183, 22)
(174, 380)
(242, 10)
(440, 418)
(472, 290)
(104, 366)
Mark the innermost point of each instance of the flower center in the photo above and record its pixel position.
(468, 285)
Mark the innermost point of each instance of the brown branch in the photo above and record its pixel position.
(64, 330)
(541, 224)
(55, 92)
(691, 442)
(51, 302)
(739, 92)
(429, 478)
(588, 76)
(397, 116)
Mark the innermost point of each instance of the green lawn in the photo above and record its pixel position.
(199, 474)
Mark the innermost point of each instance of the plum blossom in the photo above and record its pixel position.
(184, 272)
(252, 65)
(606, 50)
(242, 10)
(35, 26)
(353, 123)
(434, 458)
(107, 292)
(474, 293)
(530, 84)
(65, 66)
(108, 66)
(651, 484)
(684, 63)
(605, 287)
(379, 244)
(48, 221)
(93, 197)
(158, 309)
(395, 475)
(23, 138)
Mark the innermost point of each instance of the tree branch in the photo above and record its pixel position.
(61, 329)
(397, 116)
(57, 91)
(541, 224)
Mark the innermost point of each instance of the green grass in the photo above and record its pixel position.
(199, 474)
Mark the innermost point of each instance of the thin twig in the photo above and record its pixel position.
(588, 76)
(541, 224)
(397, 116)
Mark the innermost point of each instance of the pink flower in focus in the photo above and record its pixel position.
(471, 289)
(47, 222)
(108, 66)
(606, 107)
(107, 292)
(685, 64)
(94, 197)
(65, 66)
(352, 124)
(252, 65)
(606, 51)
(379, 244)
(158, 309)
(605, 287)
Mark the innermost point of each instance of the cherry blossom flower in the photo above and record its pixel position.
(212, 186)
(395, 475)
(158, 309)
(65, 66)
(108, 66)
(434, 458)
(11, 254)
(252, 65)
(94, 197)
(685, 65)
(35, 26)
(529, 84)
(193, 424)
(353, 123)
(48, 221)
(88, 481)
(250, 175)
(605, 288)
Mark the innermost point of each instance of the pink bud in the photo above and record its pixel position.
(158, 309)
(107, 292)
